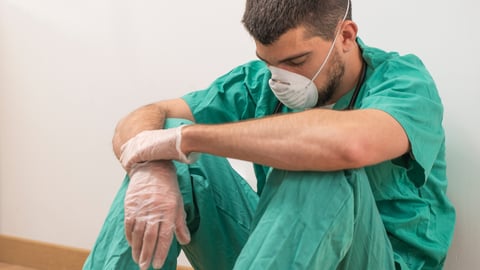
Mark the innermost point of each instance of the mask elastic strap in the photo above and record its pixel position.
(333, 44)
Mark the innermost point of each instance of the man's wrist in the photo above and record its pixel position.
(185, 155)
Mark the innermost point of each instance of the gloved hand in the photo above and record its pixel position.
(153, 212)
(159, 144)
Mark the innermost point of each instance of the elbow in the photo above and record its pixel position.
(356, 154)
(116, 144)
(117, 138)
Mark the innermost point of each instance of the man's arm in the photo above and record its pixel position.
(148, 117)
(316, 139)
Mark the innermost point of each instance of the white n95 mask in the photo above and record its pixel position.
(294, 90)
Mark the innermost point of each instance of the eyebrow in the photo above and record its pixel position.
(290, 58)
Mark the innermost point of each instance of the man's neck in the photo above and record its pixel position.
(351, 77)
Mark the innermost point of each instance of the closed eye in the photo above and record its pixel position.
(295, 63)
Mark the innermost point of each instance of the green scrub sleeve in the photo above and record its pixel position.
(240, 94)
(404, 89)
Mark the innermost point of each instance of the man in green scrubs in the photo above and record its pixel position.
(350, 165)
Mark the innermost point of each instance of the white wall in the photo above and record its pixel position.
(70, 69)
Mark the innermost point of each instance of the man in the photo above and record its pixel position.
(349, 151)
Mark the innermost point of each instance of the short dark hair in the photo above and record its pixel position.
(267, 20)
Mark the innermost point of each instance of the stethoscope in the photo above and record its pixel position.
(351, 104)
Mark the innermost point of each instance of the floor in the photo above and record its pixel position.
(4, 266)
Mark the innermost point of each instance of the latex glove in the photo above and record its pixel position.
(154, 212)
(159, 144)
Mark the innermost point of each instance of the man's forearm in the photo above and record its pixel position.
(148, 117)
(311, 140)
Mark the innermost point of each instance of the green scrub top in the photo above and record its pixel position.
(410, 191)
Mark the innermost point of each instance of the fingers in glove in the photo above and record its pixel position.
(126, 159)
(181, 229)
(129, 224)
(149, 243)
(137, 239)
(165, 238)
(142, 147)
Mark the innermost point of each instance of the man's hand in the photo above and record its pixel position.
(160, 144)
(153, 212)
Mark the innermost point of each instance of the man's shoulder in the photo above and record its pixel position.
(392, 62)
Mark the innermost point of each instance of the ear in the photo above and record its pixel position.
(348, 35)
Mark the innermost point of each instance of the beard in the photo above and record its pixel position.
(335, 76)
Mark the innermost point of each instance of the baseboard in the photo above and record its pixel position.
(44, 256)
(40, 255)
(184, 268)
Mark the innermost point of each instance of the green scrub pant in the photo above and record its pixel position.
(302, 220)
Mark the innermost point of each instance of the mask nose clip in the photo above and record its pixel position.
(279, 81)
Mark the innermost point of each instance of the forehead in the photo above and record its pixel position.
(296, 41)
